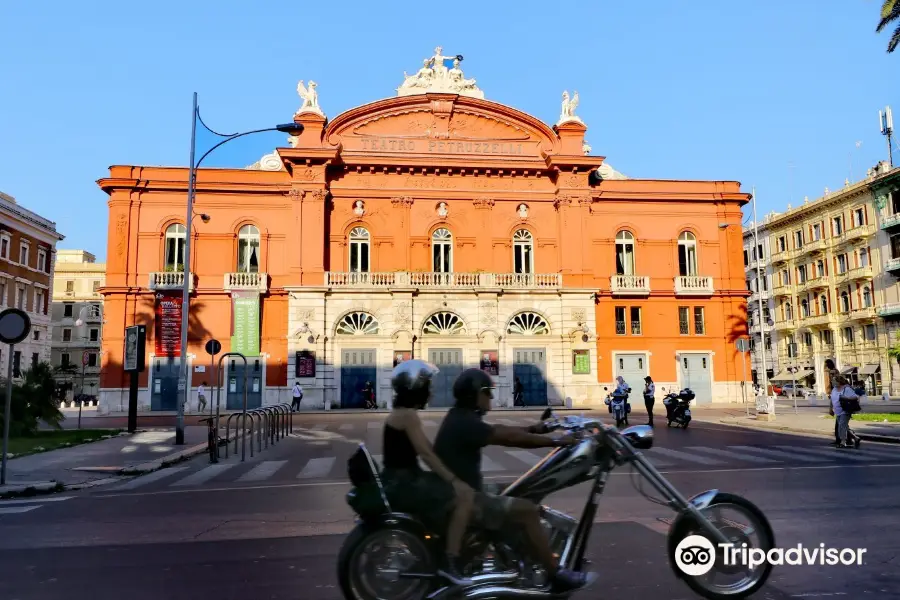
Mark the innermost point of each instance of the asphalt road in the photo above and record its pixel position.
(270, 527)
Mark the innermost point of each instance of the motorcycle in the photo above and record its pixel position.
(619, 406)
(391, 555)
(678, 407)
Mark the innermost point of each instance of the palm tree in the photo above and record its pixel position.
(890, 12)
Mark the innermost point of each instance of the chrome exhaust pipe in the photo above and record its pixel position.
(496, 592)
(487, 578)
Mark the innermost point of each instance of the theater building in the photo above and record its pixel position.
(433, 224)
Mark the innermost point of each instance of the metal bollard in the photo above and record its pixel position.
(227, 430)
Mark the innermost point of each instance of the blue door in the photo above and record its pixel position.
(164, 391)
(450, 363)
(358, 367)
(694, 370)
(529, 367)
(234, 383)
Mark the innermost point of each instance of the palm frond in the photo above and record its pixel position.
(890, 11)
(895, 40)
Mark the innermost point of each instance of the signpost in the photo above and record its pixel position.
(792, 349)
(85, 358)
(743, 346)
(135, 360)
(15, 325)
(212, 348)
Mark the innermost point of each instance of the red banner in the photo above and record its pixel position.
(168, 325)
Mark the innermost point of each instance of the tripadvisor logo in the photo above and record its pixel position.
(695, 555)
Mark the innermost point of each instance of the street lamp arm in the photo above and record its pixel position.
(232, 137)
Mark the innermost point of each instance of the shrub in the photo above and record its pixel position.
(33, 401)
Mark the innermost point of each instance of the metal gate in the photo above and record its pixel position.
(450, 363)
(234, 383)
(633, 368)
(694, 373)
(358, 367)
(529, 367)
(164, 393)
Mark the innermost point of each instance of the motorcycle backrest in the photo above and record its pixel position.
(639, 436)
(548, 413)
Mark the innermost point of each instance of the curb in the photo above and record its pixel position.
(40, 488)
(871, 437)
(171, 459)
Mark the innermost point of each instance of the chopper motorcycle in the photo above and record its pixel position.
(394, 556)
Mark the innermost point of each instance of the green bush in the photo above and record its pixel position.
(33, 401)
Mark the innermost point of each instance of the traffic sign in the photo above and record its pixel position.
(213, 347)
(85, 357)
(743, 345)
(15, 325)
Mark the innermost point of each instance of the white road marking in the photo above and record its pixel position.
(830, 452)
(317, 467)
(203, 475)
(784, 456)
(14, 510)
(263, 470)
(488, 465)
(733, 455)
(36, 500)
(374, 425)
(668, 452)
(525, 456)
(346, 427)
(148, 478)
(319, 427)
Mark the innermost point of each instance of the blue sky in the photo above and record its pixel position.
(696, 89)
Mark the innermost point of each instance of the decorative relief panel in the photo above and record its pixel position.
(578, 315)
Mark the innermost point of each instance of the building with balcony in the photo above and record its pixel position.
(27, 249)
(433, 225)
(77, 322)
(758, 268)
(824, 266)
(886, 189)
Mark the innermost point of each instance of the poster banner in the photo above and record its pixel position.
(245, 324)
(581, 362)
(400, 357)
(168, 324)
(305, 364)
(490, 363)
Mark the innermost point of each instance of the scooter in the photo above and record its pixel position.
(619, 407)
(678, 407)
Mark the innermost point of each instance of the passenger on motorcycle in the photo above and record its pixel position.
(406, 484)
(458, 445)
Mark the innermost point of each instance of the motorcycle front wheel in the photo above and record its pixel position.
(370, 560)
(740, 521)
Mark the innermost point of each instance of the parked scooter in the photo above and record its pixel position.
(619, 406)
(678, 407)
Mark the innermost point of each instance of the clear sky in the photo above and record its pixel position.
(772, 93)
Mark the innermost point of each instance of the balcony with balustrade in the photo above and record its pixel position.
(786, 325)
(861, 273)
(169, 280)
(782, 256)
(818, 283)
(889, 310)
(863, 314)
(814, 247)
(890, 222)
(237, 282)
(893, 266)
(825, 320)
(784, 289)
(693, 285)
(431, 280)
(860, 233)
(629, 285)
(764, 295)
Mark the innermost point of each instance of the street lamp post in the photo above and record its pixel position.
(291, 128)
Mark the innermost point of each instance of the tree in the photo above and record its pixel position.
(894, 351)
(33, 401)
(890, 12)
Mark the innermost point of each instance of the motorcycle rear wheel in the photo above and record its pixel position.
(365, 574)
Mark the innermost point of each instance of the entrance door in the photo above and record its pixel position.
(357, 368)
(234, 383)
(164, 394)
(450, 363)
(633, 368)
(530, 367)
(694, 372)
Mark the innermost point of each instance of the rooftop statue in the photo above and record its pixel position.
(310, 98)
(568, 108)
(434, 76)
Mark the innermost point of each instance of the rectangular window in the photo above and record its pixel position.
(699, 325)
(859, 217)
(801, 274)
(94, 335)
(35, 359)
(620, 320)
(895, 246)
(768, 342)
(782, 244)
(842, 264)
(635, 320)
(23, 254)
(684, 320)
(798, 239)
(765, 283)
(848, 335)
(837, 224)
(760, 253)
(746, 259)
(37, 335)
(826, 337)
(863, 257)
(38, 301)
(791, 347)
(67, 335)
(95, 287)
(67, 309)
(3, 292)
(817, 232)
(65, 359)
(20, 297)
(869, 332)
(17, 364)
(70, 286)
(92, 359)
(4, 246)
(42, 260)
(807, 339)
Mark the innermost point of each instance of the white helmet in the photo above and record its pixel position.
(413, 376)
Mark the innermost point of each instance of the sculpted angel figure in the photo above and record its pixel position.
(437, 62)
(456, 77)
(568, 106)
(310, 97)
(422, 78)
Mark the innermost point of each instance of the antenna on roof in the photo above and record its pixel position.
(886, 122)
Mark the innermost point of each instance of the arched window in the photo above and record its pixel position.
(248, 249)
(867, 297)
(823, 304)
(359, 250)
(175, 236)
(788, 311)
(528, 323)
(624, 253)
(358, 323)
(444, 323)
(804, 308)
(687, 254)
(442, 251)
(820, 268)
(845, 302)
(523, 251)
(863, 257)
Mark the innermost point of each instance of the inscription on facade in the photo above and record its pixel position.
(442, 147)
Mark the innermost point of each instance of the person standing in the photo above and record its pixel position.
(831, 373)
(297, 393)
(201, 397)
(649, 398)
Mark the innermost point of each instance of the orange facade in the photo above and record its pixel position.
(526, 221)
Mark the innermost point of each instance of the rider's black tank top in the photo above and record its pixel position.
(399, 452)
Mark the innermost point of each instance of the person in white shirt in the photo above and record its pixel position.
(297, 393)
(201, 396)
(649, 398)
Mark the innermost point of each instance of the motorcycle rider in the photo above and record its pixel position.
(458, 445)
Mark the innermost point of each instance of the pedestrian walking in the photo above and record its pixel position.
(649, 398)
(518, 393)
(831, 373)
(297, 393)
(369, 395)
(844, 402)
(201, 397)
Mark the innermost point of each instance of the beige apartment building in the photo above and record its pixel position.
(886, 190)
(77, 323)
(825, 260)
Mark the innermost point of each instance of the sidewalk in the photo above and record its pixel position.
(101, 462)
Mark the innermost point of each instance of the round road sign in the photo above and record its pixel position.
(213, 347)
(85, 357)
(15, 325)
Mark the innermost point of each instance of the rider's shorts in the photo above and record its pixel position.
(491, 510)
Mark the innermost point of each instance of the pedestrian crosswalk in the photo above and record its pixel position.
(499, 462)
(18, 507)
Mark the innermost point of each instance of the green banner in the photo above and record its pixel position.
(581, 362)
(245, 338)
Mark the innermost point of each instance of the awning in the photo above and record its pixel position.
(848, 370)
(870, 369)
